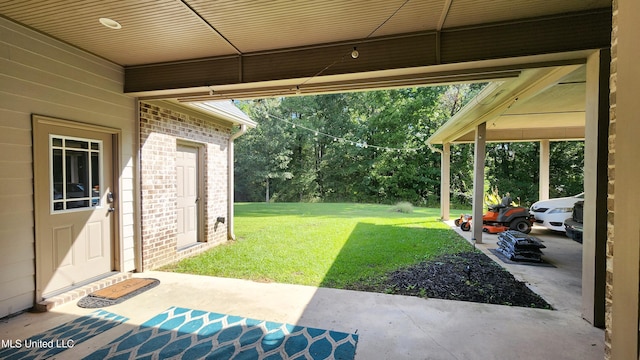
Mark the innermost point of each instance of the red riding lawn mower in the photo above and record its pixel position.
(501, 218)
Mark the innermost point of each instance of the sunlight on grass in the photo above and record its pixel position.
(324, 244)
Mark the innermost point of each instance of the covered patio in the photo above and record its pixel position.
(388, 326)
(60, 61)
(547, 104)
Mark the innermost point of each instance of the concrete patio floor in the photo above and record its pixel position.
(389, 326)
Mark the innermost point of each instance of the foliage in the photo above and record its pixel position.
(492, 198)
(329, 245)
(566, 168)
(263, 154)
(369, 147)
(513, 167)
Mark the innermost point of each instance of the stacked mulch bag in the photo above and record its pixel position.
(519, 246)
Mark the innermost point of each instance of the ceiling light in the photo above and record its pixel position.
(111, 24)
(355, 53)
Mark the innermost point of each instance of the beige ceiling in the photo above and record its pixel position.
(198, 50)
(157, 31)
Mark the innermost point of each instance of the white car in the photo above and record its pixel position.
(553, 212)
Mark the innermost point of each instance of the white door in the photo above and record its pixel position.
(187, 204)
(73, 184)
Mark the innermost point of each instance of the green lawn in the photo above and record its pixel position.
(329, 245)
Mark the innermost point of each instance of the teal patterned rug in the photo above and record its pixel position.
(193, 334)
(54, 341)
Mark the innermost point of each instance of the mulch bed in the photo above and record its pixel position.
(467, 276)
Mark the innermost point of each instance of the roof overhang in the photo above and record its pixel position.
(221, 111)
(543, 103)
(226, 110)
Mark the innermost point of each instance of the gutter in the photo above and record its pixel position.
(230, 234)
(223, 111)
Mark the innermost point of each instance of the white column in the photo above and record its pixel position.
(445, 181)
(543, 192)
(478, 181)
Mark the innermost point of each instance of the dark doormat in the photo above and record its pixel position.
(117, 293)
(506, 260)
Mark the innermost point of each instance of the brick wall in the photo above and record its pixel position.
(610, 191)
(161, 128)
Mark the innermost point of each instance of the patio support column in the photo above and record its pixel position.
(445, 181)
(478, 182)
(594, 238)
(543, 192)
(624, 245)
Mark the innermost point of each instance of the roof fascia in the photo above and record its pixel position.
(495, 99)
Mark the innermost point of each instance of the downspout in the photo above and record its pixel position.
(137, 186)
(230, 196)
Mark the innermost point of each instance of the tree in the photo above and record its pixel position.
(513, 167)
(404, 169)
(453, 99)
(327, 118)
(566, 168)
(370, 147)
(263, 154)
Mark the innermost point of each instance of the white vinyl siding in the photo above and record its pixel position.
(40, 75)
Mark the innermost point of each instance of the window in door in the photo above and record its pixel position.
(76, 170)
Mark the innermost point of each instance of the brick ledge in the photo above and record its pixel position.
(75, 294)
